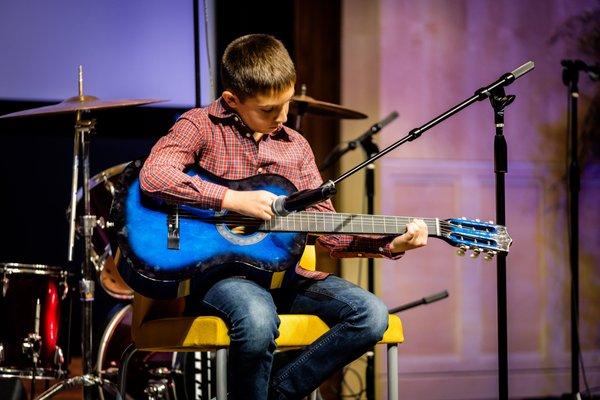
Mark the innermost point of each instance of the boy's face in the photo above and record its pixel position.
(262, 113)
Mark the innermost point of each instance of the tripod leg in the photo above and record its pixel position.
(83, 381)
(60, 386)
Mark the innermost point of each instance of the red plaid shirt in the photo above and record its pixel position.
(216, 139)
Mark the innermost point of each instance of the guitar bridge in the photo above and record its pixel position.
(173, 230)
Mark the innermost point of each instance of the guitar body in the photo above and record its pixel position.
(155, 270)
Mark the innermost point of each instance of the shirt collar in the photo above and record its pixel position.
(220, 110)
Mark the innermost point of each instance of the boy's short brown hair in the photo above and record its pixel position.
(256, 64)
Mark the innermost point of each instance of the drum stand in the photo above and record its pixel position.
(90, 379)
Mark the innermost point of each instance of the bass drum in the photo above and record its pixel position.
(150, 375)
(106, 254)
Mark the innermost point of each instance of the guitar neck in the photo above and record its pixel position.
(330, 223)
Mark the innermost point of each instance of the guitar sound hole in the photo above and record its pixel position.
(242, 230)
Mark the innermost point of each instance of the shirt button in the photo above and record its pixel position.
(359, 255)
(381, 249)
(236, 119)
(260, 170)
(248, 134)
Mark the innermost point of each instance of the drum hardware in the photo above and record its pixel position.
(162, 389)
(84, 128)
(303, 104)
(157, 375)
(105, 254)
(4, 284)
(59, 357)
(33, 342)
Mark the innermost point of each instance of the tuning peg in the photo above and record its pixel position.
(462, 250)
(489, 255)
(475, 253)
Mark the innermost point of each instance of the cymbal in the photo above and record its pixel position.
(80, 103)
(303, 104)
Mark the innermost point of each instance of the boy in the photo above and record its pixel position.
(239, 135)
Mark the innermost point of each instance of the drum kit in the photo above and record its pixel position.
(32, 294)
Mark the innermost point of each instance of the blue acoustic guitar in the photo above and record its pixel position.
(166, 246)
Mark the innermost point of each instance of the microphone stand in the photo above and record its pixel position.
(570, 77)
(499, 101)
(370, 149)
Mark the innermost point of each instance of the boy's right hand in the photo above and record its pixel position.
(254, 203)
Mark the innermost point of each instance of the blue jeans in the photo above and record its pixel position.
(357, 319)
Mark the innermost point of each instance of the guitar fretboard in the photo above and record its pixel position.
(323, 222)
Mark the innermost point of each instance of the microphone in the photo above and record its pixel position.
(339, 151)
(283, 205)
(505, 80)
(593, 71)
(425, 300)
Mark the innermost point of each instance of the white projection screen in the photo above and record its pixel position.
(128, 49)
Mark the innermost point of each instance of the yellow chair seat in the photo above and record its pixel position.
(207, 332)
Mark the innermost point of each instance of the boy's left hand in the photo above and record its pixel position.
(414, 237)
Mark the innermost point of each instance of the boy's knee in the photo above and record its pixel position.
(257, 332)
(374, 319)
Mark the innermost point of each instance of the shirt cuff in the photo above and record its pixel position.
(212, 195)
(386, 251)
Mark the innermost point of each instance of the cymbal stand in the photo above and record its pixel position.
(90, 379)
(301, 109)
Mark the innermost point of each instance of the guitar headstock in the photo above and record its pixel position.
(480, 237)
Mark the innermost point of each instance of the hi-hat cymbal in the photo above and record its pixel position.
(303, 104)
(80, 103)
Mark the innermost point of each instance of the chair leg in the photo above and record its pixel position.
(392, 371)
(222, 374)
(127, 354)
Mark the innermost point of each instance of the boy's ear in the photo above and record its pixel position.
(231, 99)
